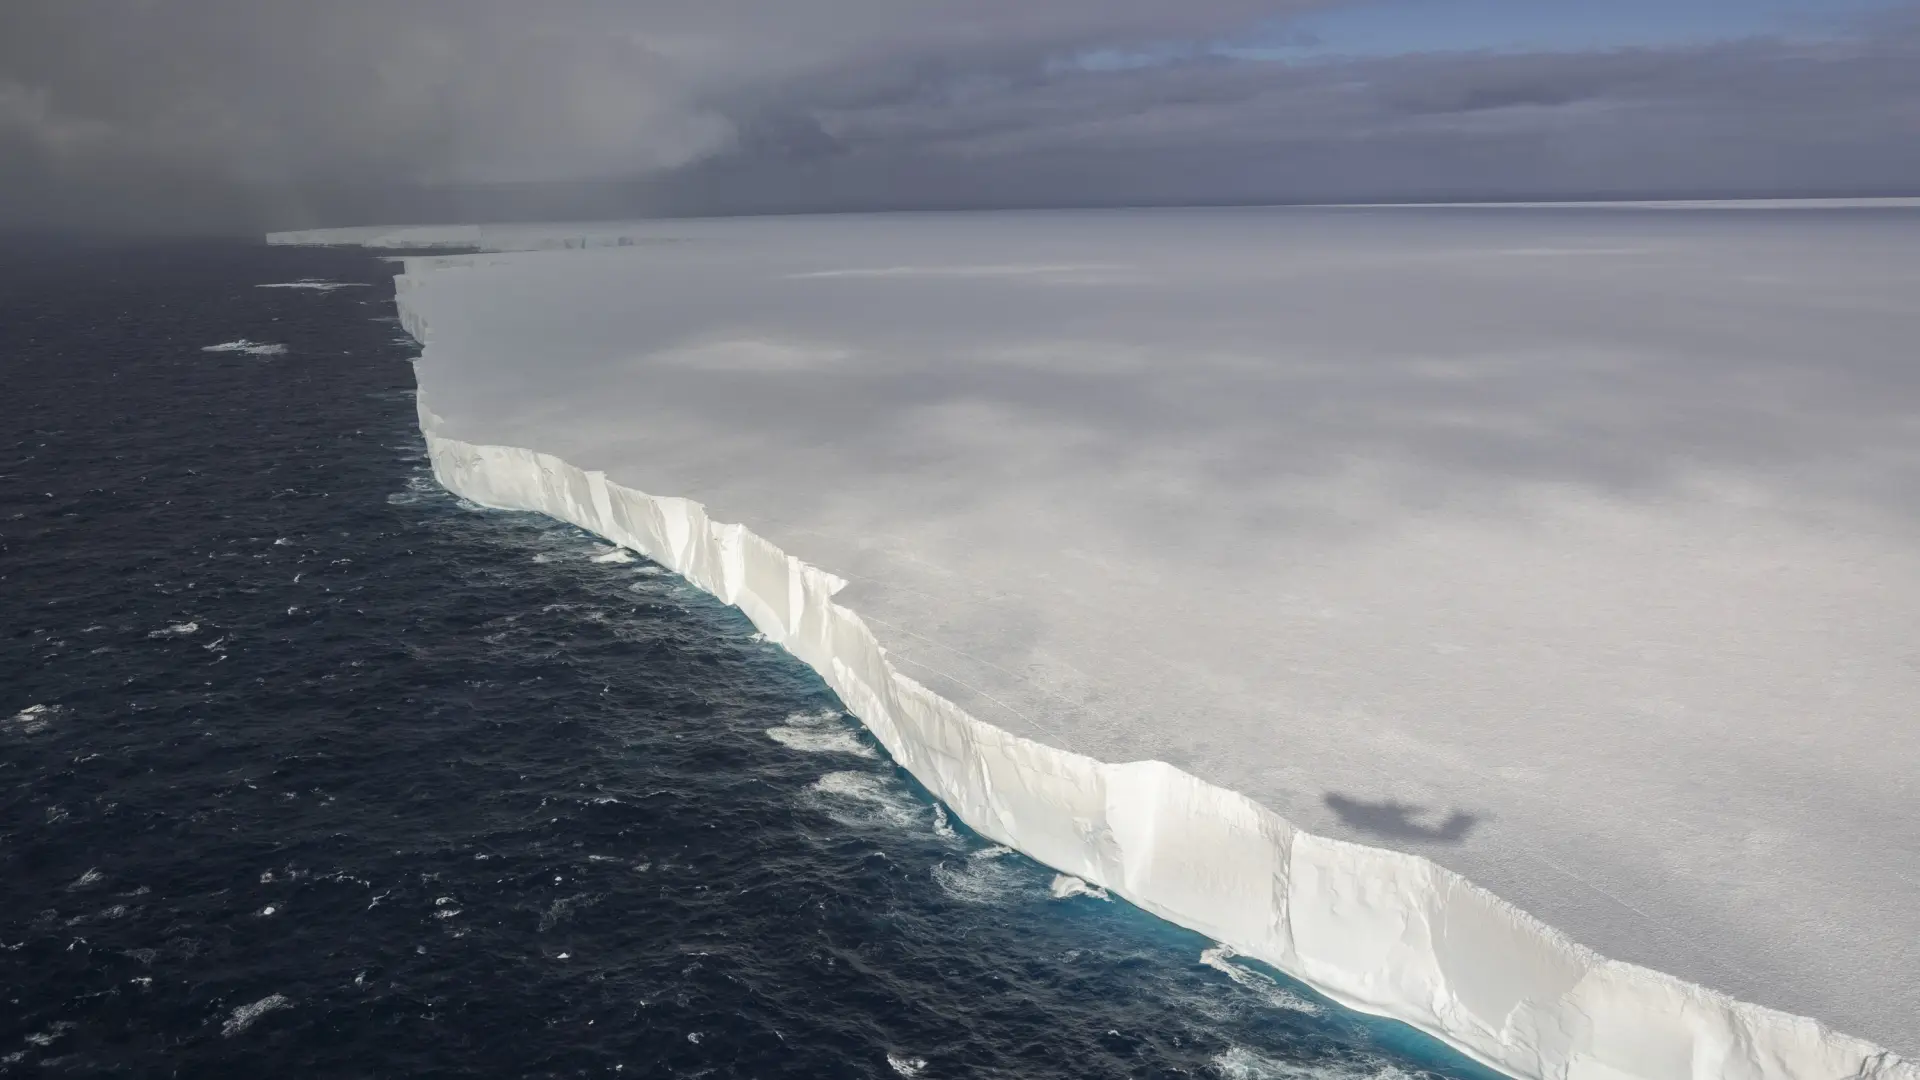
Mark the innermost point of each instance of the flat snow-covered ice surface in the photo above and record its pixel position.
(1577, 551)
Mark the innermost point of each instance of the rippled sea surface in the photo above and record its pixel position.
(309, 769)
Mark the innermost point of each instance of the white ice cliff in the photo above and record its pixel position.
(1577, 554)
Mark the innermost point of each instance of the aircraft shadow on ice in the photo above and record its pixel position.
(1396, 820)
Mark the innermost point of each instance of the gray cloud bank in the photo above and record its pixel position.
(248, 114)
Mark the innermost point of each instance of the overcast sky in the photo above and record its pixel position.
(248, 114)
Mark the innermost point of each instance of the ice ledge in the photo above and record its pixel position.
(1379, 931)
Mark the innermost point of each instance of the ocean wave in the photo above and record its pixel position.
(314, 284)
(1220, 958)
(817, 733)
(32, 720)
(1240, 1063)
(1066, 886)
(863, 800)
(563, 909)
(987, 877)
(244, 1016)
(242, 345)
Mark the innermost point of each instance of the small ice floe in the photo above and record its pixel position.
(693, 1037)
(181, 629)
(906, 1066)
(1220, 957)
(251, 348)
(32, 720)
(244, 1016)
(1066, 886)
(611, 555)
(267, 912)
(314, 284)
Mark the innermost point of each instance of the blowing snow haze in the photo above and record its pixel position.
(243, 114)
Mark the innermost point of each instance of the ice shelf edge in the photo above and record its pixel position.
(1382, 932)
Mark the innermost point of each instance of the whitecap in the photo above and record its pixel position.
(176, 630)
(251, 348)
(244, 1016)
(985, 878)
(1240, 1063)
(1220, 958)
(33, 719)
(562, 909)
(862, 800)
(943, 828)
(314, 284)
(1066, 885)
(813, 740)
(907, 1066)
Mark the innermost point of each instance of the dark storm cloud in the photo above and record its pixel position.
(243, 113)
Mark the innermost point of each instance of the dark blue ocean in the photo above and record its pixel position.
(309, 769)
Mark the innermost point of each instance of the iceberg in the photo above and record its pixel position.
(1527, 543)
